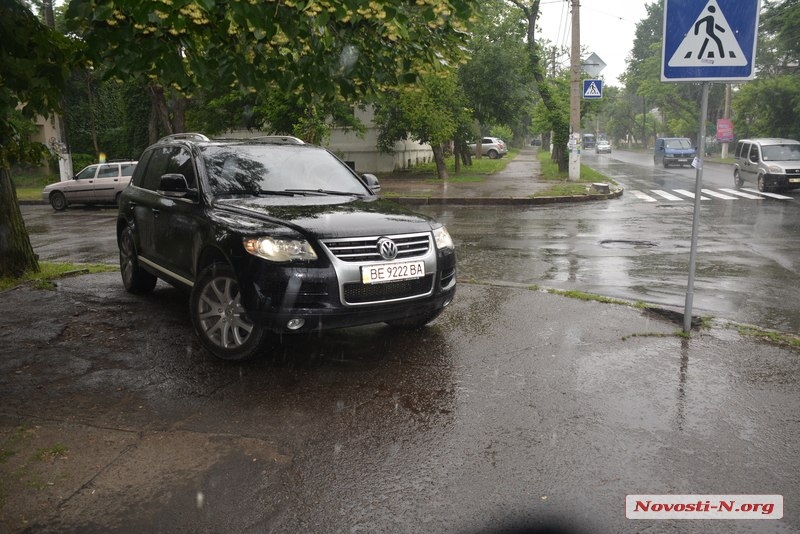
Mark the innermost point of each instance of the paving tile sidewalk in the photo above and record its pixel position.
(516, 184)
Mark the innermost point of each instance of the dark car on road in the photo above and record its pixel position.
(673, 151)
(273, 235)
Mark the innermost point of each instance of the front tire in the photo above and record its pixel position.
(219, 319)
(762, 184)
(135, 279)
(738, 182)
(58, 201)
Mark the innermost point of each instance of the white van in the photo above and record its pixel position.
(770, 163)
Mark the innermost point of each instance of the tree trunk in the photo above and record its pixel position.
(16, 253)
(559, 125)
(159, 105)
(438, 157)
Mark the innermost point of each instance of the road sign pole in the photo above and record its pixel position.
(698, 189)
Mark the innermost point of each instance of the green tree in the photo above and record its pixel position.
(433, 111)
(496, 78)
(35, 66)
(315, 51)
(554, 110)
(768, 107)
(779, 43)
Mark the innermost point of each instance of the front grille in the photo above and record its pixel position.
(358, 293)
(361, 249)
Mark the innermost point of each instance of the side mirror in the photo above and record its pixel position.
(175, 185)
(372, 182)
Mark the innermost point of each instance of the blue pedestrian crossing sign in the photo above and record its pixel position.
(593, 89)
(709, 40)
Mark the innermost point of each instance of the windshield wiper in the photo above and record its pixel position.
(323, 192)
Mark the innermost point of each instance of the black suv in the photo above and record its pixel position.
(273, 235)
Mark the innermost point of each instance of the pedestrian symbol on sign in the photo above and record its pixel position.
(593, 89)
(709, 42)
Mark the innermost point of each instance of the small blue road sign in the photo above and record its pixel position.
(711, 40)
(593, 89)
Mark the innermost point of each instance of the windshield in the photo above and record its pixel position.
(265, 169)
(678, 143)
(781, 152)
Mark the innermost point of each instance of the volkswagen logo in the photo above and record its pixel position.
(387, 248)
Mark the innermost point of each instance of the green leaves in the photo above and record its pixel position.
(293, 44)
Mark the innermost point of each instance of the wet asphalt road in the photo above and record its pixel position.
(515, 408)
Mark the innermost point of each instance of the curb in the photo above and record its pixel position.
(463, 201)
(502, 201)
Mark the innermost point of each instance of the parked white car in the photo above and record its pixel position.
(494, 147)
(100, 183)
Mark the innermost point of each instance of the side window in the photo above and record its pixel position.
(181, 163)
(138, 172)
(127, 169)
(754, 153)
(156, 167)
(87, 173)
(108, 171)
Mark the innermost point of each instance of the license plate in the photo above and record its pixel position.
(794, 180)
(390, 272)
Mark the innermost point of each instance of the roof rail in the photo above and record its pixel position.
(274, 140)
(187, 136)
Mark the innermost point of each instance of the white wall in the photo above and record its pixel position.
(364, 153)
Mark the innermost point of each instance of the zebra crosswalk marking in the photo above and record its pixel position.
(771, 195)
(725, 194)
(688, 194)
(643, 196)
(664, 194)
(714, 194)
(742, 194)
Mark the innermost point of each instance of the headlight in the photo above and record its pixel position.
(442, 238)
(774, 169)
(280, 250)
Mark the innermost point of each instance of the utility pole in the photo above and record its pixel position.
(576, 140)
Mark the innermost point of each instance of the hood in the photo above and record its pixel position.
(329, 216)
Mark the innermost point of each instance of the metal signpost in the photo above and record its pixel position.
(712, 41)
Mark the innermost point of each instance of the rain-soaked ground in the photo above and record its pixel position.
(516, 408)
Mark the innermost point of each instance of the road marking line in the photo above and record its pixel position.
(771, 195)
(643, 196)
(711, 193)
(666, 195)
(688, 194)
(743, 195)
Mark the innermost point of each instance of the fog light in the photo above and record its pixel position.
(447, 303)
(295, 324)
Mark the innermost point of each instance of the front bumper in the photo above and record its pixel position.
(275, 294)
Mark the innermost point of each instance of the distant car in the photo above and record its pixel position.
(100, 183)
(602, 147)
(494, 147)
(673, 151)
(770, 163)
